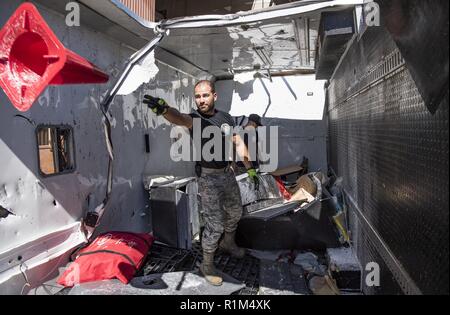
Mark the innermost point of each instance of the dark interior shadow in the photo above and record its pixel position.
(244, 90)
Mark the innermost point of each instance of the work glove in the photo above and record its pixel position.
(157, 105)
(253, 175)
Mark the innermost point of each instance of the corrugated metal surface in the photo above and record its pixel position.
(393, 155)
(143, 8)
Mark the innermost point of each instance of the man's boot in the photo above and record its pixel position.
(209, 271)
(229, 246)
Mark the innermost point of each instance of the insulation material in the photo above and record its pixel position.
(294, 97)
(244, 77)
(140, 74)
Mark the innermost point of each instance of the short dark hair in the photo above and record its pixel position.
(207, 82)
(256, 119)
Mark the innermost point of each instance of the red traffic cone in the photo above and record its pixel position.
(32, 57)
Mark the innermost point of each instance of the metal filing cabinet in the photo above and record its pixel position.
(175, 215)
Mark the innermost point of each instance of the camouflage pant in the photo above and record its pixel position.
(221, 207)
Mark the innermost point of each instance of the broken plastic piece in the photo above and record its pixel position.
(4, 213)
(32, 57)
(91, 219)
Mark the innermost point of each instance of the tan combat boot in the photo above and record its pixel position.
(229, 246)
(209, 271)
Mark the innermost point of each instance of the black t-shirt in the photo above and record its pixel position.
(219, 119)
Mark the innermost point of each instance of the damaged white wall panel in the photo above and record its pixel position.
(291, 97)
(140, 74)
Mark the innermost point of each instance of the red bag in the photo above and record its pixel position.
(111, 255)
(286, 194)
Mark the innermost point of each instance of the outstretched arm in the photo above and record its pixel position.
(177, 118)
(160, 107)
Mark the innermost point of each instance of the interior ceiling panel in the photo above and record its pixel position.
(282, 45)
(279, 38)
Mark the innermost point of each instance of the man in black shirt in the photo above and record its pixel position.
(219, 191)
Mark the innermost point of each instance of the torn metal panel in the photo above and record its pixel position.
(272, 212)
(139, 75)
(224, 51)
(288, 39)
(276, 12)
(132, 64)
(268, 189)
(229, 43)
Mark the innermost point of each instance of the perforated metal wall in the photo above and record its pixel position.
(393, 155)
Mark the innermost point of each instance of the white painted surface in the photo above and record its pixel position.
(140, 74)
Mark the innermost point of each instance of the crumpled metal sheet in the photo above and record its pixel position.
(172, 283)
(268, 189)
(296, 8)
(275, 211)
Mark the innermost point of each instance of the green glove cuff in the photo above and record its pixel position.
(252, 173)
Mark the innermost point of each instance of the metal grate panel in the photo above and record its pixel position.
(167, 259)
(393, 155)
